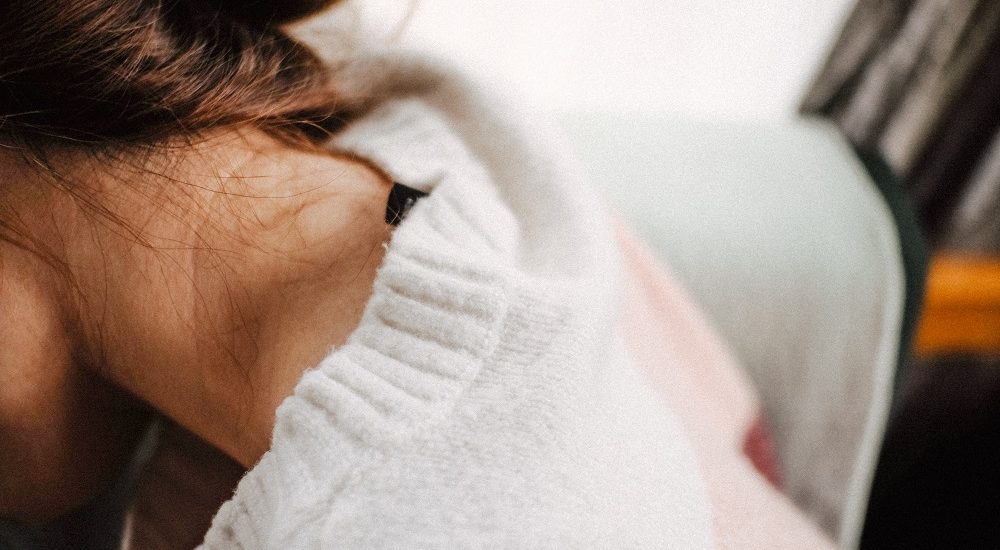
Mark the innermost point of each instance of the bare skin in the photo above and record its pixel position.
(238, 265)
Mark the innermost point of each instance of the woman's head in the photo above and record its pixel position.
(97, 73)
(160, 155)
(118, 80)
(164, 125)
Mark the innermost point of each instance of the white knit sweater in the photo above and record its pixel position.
(485, 400)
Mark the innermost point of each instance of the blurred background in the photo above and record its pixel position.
(751, 59)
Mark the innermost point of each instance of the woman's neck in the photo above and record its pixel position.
(205, 282)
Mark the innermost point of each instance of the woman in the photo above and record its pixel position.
(204, 221)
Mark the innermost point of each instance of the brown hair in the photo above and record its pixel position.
(128, 72)
(104, 77)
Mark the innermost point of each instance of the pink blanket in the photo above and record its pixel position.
(677, 349)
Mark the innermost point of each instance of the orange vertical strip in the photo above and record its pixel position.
(961, 311)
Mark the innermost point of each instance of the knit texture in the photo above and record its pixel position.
(487, 398)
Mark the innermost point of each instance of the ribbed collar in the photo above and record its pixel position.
(502, 214)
